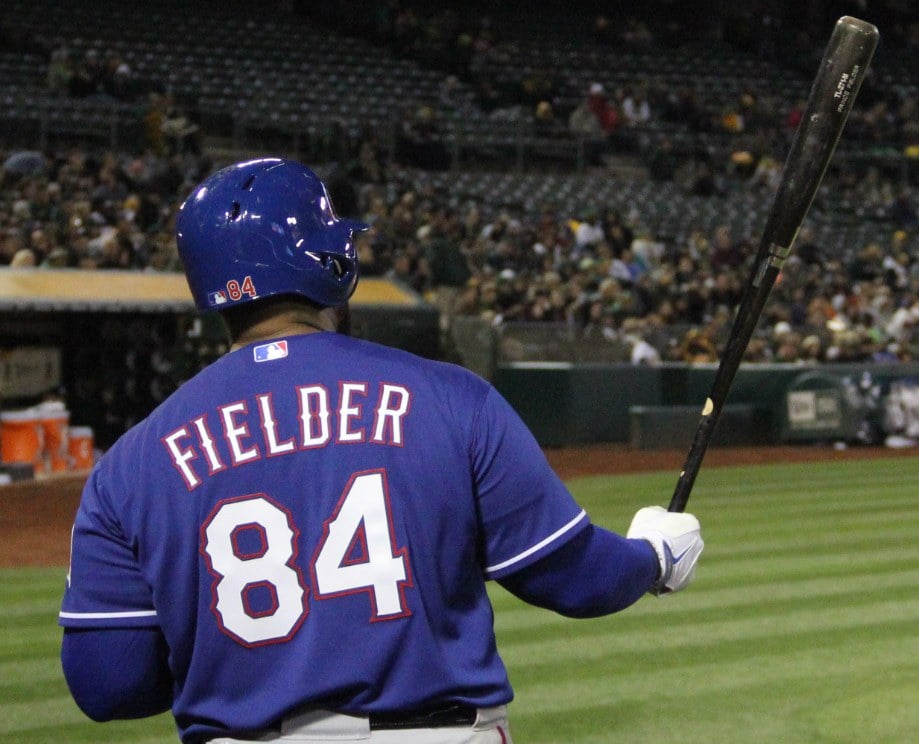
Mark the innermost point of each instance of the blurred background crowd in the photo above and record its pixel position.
(623, 207)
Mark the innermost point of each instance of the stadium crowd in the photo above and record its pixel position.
(595, 271)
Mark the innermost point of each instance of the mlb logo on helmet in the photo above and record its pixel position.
(217, 298)
(270, 352)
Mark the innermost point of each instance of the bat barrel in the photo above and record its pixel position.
(842, 70)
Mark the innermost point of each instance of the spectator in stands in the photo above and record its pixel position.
(787, 343)
(766, 174)
(589, 230)
(636, 110)
(752, 113)
(545, 122)
(419, 141)
(594, 121)
(585, 127)
(725, 253)
(87, 77)
(627, 269)
(696, 348)
(41, 241)
(868, 264)
(404, 269)
(640, 351)
(605, 111)
(448, 268)
(181, 134)
(10, 244)
(60, 71)
(121, 85)
(539, 84)
(617, 231)
(24, 258)
(59, 258)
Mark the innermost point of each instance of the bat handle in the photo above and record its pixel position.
(693, 461)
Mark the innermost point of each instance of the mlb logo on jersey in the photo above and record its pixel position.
(270, 352)
(217, 298)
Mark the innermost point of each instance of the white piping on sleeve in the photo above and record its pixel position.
(538, 546)
(105, 615)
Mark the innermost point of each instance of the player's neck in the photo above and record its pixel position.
(284, 324)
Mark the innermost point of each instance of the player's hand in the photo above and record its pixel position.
(676, 538)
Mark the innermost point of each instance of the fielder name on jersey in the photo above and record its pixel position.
(353, 414)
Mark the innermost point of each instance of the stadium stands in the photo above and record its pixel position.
(320, 83)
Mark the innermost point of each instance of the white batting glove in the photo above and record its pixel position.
(676, 538)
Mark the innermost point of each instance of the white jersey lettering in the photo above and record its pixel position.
(349, 410)
(314, 416)
(181, 457)
(214, 463)
(391, 409)
(271, 429)
(235, 433)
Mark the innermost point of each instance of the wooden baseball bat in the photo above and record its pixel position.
(832, 94)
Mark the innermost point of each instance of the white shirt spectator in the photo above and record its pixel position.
(588, 234)
(636, 111)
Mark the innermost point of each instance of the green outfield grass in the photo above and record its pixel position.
(802, 625)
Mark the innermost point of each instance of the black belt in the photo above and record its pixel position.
(445, 715)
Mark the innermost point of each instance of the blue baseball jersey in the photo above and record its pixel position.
(312, 521)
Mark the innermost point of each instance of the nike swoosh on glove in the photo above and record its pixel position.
(676, 538)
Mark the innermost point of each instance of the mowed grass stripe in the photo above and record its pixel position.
(33, 690)
(758, 489)
(596, 683)
(686, 649)
(45, 583)
(707, 631)
(873, 707)
(782, 521)
(786, 564)
(57, 719)
(22, 716)
(28, 609)
(810, 537)
(35, 668)
(518, 621)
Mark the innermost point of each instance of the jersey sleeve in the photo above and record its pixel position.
(526, 512)
(597, 573)
(105, 586)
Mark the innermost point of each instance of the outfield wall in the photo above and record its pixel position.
(655, 407)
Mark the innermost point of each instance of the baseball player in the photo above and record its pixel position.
(294, 546)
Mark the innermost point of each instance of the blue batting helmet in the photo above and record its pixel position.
(265, 227)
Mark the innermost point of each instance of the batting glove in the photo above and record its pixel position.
(676, 538)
